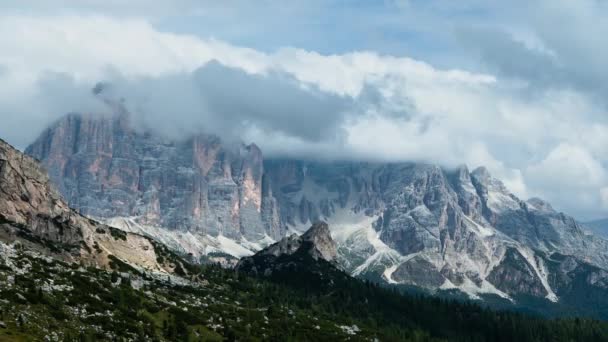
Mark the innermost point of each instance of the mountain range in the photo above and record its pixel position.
(65, 277)
(402, 224)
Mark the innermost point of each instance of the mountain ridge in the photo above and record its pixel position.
(399, 223)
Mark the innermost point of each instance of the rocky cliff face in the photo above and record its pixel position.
(107, 169)
(422, 225)
(33, 213)
(316, 244)
(403, 223)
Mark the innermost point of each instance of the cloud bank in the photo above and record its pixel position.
(529, 113)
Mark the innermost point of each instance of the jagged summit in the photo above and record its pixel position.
(540, 204)
(319, 236)
(107, 170)
(316, 244)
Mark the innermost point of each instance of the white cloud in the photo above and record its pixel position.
(604, 197)
(366, 105)
(88, 47)
(569, 166)
(571, 171)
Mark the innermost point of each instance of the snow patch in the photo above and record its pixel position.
(346, 223)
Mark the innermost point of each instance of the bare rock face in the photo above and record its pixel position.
(515, 275)
(322, 245)
(32, 212)
(315, 244)
(27, 199)
(420, 272)
(420, 224)
(107, 169)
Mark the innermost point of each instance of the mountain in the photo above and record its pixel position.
(64, 277)
(46, 299)
(422, 225)
(309, 259)
(316, 244)
(33, 214)
(405, 224)
(209, 196)
(307, 264)
(599, 227)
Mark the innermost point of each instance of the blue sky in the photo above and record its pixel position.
(516, 86)
(334, 27)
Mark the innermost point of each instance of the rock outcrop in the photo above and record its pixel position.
(33, 213)
(315, 244)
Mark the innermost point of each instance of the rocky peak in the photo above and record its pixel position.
(315, 244)
(27, 198)
(107, 169)
(462, 175)
(540, 204)
(495, 196)
(323, 246)
(484, 181)
(481, 173)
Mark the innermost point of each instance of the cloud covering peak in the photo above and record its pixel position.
(542, 132)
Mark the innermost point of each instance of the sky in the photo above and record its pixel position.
(517, 86)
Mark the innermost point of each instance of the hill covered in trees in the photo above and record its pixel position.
(42, 298)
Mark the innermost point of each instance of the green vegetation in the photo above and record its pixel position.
(309, 301)
(118, 234)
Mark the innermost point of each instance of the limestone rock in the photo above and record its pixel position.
(105, 168)
(33, 213)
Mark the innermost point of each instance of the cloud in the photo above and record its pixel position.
(553, 44)
(604, 197)
(571, 171)
(583, 169)
(506, 55)
(303, 103)
(26, 109)
(229, 101)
